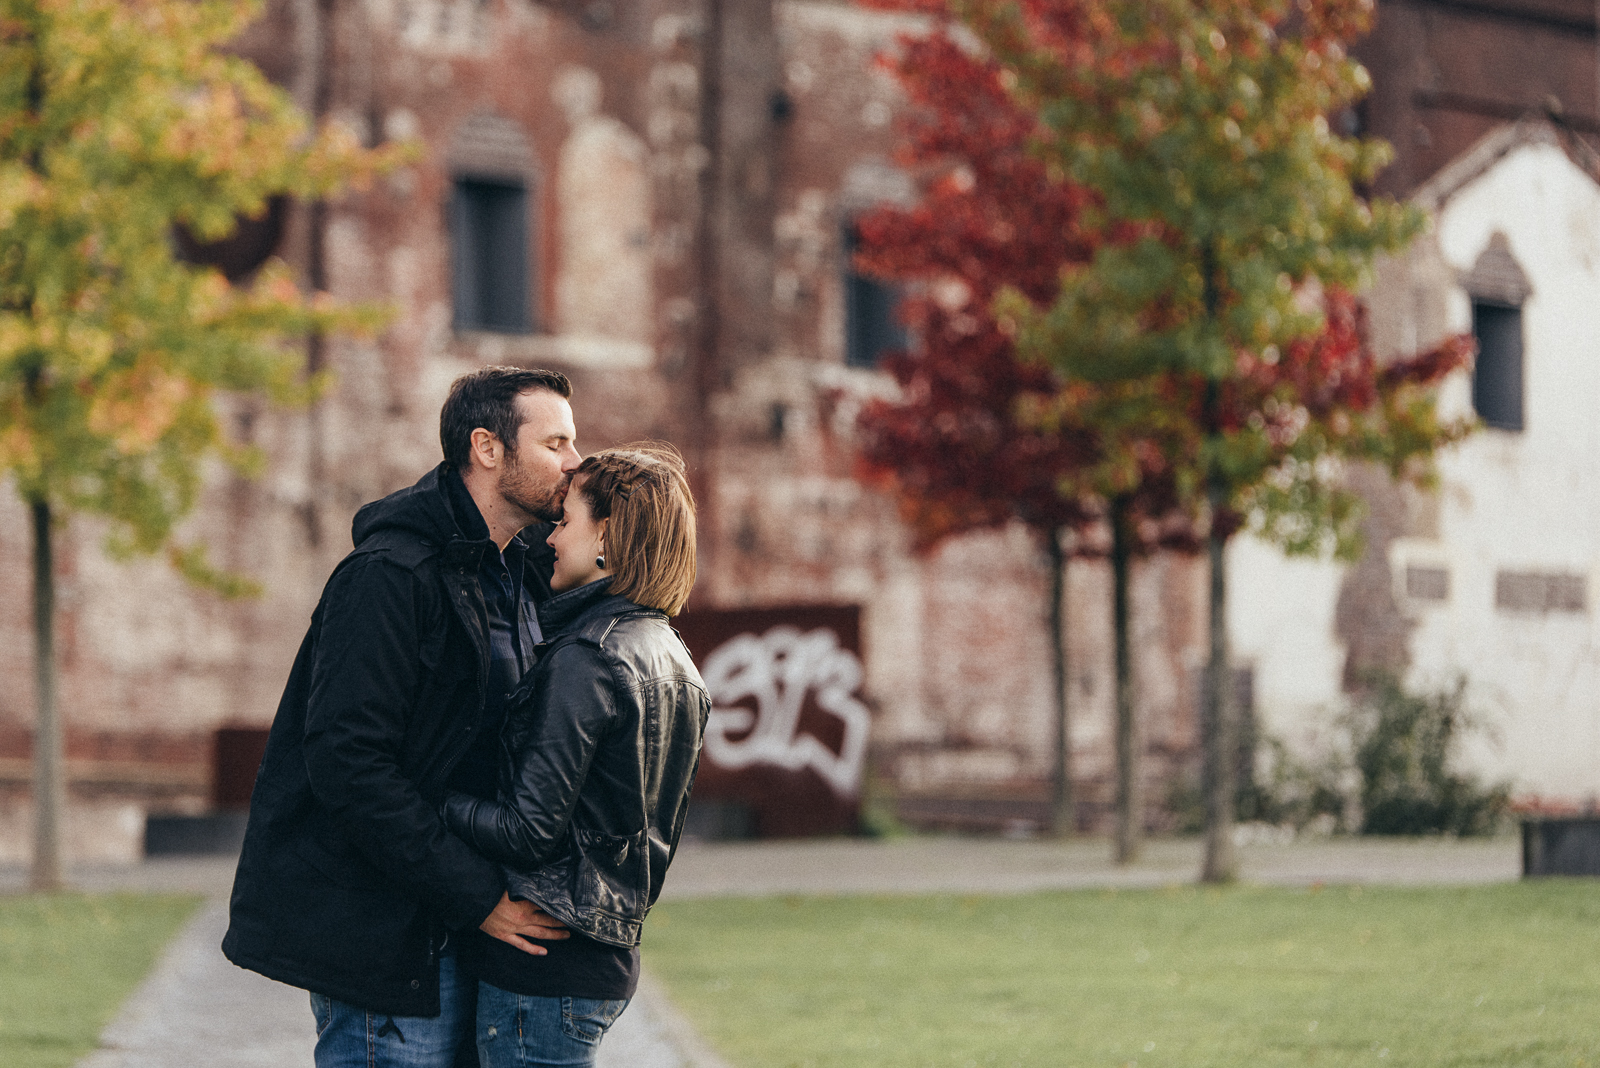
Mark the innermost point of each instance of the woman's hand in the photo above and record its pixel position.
(514, 922)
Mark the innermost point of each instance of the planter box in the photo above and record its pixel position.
(1561, 846)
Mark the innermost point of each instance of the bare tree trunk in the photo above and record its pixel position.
(1217, 727)
(49, 786)
(1063, 819)
(312, 89)
(1130, 805)
(705, 371)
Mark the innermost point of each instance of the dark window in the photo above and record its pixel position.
(489, 248)
(1427, 583)
(871, 328)
(1537, 591)
(1497, 374)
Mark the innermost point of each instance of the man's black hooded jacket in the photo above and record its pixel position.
(348, 880)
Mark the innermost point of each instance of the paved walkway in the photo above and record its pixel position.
(198, 1011)
(969, 865)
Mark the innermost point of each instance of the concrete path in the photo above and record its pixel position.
(198, 1011)
(970, 865)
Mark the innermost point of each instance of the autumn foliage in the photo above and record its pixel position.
(1131, 285)
(122, 124)
(125, 130)
(1205, 131)
(979, 438)
(1116, 286)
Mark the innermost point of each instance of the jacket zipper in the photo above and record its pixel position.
(461, 742)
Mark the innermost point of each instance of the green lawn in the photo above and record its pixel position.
(67, 962)
(1484, 976)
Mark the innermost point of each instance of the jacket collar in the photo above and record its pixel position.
(439, 510)
(473, 530)
(571, 609)
(469, 521)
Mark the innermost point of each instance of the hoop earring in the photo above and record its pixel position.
(600, 562)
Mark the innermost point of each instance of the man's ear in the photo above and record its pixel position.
(487, 449)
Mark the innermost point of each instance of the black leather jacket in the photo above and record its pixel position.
(601, 746)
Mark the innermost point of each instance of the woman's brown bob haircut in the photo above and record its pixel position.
(649, 543)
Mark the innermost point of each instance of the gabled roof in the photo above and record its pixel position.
(1497, 144)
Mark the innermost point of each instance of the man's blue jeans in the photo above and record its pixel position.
(351, 1037)
(516, 1031)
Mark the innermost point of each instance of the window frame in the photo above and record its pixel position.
(1499, 373)
(512, 308)
(870, 308)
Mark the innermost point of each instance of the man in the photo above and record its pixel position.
(349, 885)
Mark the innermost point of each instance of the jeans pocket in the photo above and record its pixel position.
(322, 1009)
(587, 1019)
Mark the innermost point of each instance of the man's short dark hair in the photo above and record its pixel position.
(487, 398)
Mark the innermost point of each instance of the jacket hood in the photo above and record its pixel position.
(438, 510)
(425, 510)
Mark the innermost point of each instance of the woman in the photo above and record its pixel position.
(600, 749)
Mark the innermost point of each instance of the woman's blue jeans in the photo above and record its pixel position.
(516, 1031)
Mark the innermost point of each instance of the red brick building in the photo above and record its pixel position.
(655, 197)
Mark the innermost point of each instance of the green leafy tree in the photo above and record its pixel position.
(122, 121)
(1205, 126)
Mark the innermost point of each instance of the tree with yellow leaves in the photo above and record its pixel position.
(122, 123)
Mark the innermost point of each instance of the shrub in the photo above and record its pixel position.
(1403, 745)
(1387, 769)
(1280, 790)
(1287, 791)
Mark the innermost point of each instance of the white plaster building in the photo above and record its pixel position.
(1496, 578)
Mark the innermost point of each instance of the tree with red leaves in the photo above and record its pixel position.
(979, 438)
(1226, 310)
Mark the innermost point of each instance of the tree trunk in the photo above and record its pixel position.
(1063, 821)
(1216, 713)
(1216, 707)
(313, 92)
(49, 787)
(1130, 809)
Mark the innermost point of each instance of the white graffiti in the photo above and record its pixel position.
(778, 669)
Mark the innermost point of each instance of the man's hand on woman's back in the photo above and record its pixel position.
(515, 922)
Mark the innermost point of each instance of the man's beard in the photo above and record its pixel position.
(542, 503)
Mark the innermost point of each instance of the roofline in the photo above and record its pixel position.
(1498, 143)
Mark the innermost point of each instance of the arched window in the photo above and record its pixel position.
(872, 326)
(493, 271)
(1498, 287)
